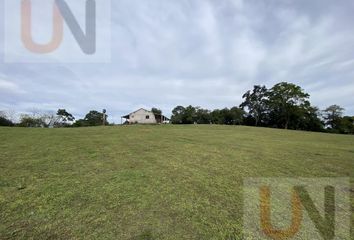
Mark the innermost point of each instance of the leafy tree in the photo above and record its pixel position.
(156, 111)
(256, 103)
(64, 117)
(177, 115)
(190, 115)
(309, 119)
(202, 116)
(95, 118)
(32, 121)
(158, 114)
(184, 115)
(217, 117)
(346, 125)
(237, 115)
(332, 116)
(233, 116)
(286, 101)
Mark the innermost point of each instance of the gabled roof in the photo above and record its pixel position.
(128, 115)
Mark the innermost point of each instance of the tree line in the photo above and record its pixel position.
(285, 105)
(61, 118)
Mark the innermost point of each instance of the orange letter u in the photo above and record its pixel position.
(26, 30)
(266, 224)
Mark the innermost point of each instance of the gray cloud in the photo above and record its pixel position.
(200, 52)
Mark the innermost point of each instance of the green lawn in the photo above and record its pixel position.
(149, 182)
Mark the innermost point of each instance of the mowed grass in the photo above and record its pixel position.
(149, 182)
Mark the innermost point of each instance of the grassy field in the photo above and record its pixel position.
(149, 182)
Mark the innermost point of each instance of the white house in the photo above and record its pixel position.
(143, 116)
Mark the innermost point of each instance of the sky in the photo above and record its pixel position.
(207, 53)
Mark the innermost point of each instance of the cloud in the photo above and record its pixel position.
(8, 87)
(201, 52)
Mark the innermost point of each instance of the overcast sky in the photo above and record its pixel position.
(201, 52)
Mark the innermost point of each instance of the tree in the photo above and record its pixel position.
(177, 115)
(309, 119)
(50, 119)
(332, 116)
(286, 101)
(64, 117)
(346, 125)
(237, 115)
(158, 114)
(95, 118)
(256, 102)
(31, 121)
(233, 116)
(190, 115)
(202, 116)
(217, 117)
(38, 118)
(182, 115)
(9, 114)
(5, 122)
(156, 111)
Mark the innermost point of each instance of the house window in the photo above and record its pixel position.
(147, 117)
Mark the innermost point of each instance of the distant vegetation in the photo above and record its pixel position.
(93, 118)
(61, 118)
(285, 105)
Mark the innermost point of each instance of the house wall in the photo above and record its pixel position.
(140, 117)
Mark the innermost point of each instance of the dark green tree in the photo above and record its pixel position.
(237, 115)
(190, 115)
(332, 116)
(94, 118)
(156, 111)
(286, 101)
(203, 116)
(5, 122)
(233, 116)
(256, 103)
(308, 119)
(217, 117)
(346, 125)
(177, 115)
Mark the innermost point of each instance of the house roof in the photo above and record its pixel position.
(157, 115)
(127, 116)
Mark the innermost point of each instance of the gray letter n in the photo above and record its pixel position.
(87, 42)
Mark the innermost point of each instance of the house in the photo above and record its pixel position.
(143, 116)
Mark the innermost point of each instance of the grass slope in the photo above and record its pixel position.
(149, 182)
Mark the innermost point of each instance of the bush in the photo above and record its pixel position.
(28, 121)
